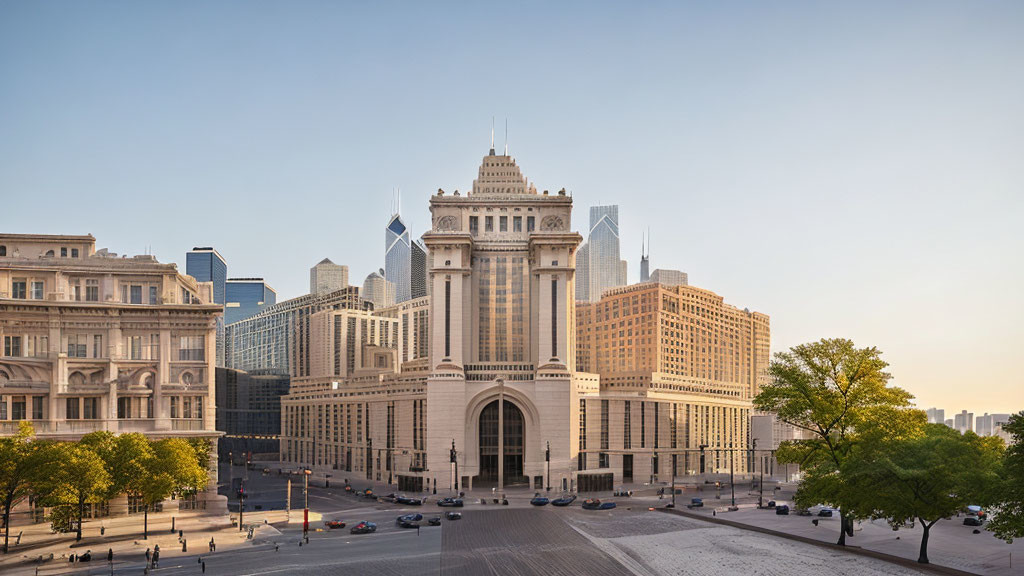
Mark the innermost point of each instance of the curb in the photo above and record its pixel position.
(906, 562)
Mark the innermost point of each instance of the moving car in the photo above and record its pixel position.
(771, 504)
(334, 524)
(408, 524)
(564, 500)
(409, 518)
(364, 528)
(973, 520)
(595, 504)
(453, 515)
(450, 502)
(696, 503)
(803, 512)
(388, 497)
(408, 500)
(539, 500)
(825, 513)
(435, 521)
(782, 510)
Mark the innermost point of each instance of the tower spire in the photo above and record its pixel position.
(492, 135)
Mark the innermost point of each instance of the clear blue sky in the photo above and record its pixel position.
(851, 169)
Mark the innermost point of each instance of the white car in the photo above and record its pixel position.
(823, 511)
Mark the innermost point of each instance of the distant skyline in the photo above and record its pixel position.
(851, 170)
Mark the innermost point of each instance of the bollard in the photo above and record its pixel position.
(184, 545)
(172, 525)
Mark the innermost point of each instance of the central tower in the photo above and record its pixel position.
(501, 263)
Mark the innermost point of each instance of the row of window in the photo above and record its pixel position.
(517, 224)
(191, 348)
(49, 253)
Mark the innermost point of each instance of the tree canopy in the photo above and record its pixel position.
(838, 394)
(1008, 520)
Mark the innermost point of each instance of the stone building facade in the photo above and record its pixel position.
(92, 341)
(498, 368)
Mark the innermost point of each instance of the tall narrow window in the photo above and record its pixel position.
(18, 288)
(503, 224)
(529, 223)
(92, 290)
(136, 295)
(37, 407)
(474, 225)
(37, 290)
(448, 318)
(489, 224)
(517, 223)
(554, 317)
(64, 252)
(71, 409)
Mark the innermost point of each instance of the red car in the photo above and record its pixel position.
(333, 524)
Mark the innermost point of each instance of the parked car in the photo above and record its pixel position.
(771, 504)
(334, 524)
(782, 510)
(435, 521)
(595, 504)
(408, 518)
(450, 502)
(621, 492)
(539, 500)
(364, 528)
(803, 512)
(696, 503)
(453, 515)
(825, 513)
(973, 520)
(564, 500)
(409, 524)
(408, 500)
(388, 497)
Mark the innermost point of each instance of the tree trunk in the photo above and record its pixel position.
(81, 506)
(7, 523)
(842, 530)
(923, 557)
(145, 523)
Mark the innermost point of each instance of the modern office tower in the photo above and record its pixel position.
(398, 258)
(963, 421)
(669, 277)
(496, 340)
(266, 342)
(327, 276)
(679, 350)
(645, 263)
(414, 322)
(92, 341)
(986, 425)
(247, 297)
(207, 265)
(378, 290)
(418, 279)
(936, 415)
(604, 267)
(582, 282)
(249, 414)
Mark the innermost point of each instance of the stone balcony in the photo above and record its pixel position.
(62, 428)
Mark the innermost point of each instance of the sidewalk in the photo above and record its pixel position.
(124, 535)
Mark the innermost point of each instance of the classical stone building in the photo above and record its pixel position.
(486, 382)
(92, 341)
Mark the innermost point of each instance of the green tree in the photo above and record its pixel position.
(178, 459)
(924, 478)
(18, 462)
(1008, 520)
(72, 475)
(839, 394)
(130, 460)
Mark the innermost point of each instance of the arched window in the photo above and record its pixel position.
(187, 378)
(49, 253)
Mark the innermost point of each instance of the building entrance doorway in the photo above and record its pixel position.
(514, 433)
(627, 468)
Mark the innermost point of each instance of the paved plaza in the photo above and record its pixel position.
(512, 540)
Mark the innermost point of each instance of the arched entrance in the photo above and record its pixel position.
(513, 440)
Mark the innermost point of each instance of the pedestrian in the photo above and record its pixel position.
(213, 545)
(110, 554)
(156, 559)
(204, 567)
(148, 556)
(276, 546)
(184, 545)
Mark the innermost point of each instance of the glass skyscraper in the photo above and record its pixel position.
(418, 280)
(246, 297)
(398, 258)
(207, 265)
(601, 267)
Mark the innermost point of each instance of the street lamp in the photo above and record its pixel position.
(732, 484)
(547, 461)
(455, 466)
(305, 503)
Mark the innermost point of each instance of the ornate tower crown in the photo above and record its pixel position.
(500, 176)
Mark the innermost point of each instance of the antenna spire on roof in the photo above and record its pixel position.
(492, 135)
